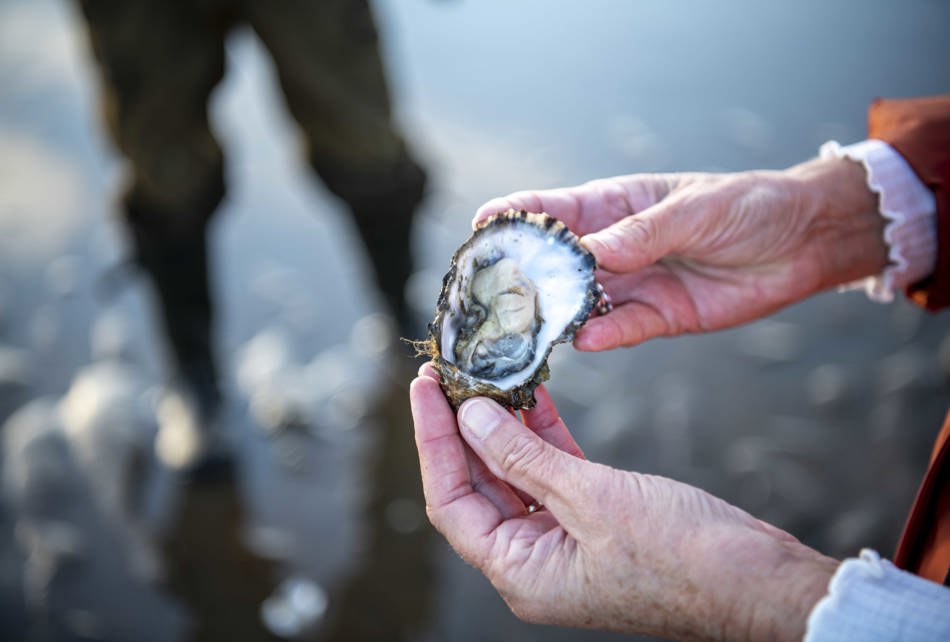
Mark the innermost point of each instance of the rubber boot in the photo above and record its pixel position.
(190, 434)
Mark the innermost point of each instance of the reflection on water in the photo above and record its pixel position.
(388, 595)
(114, 545)
(209, 569)
(818, 420)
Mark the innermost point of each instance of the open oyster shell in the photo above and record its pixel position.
(519, 285)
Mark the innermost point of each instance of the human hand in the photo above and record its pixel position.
(681, 253)
(610, 549)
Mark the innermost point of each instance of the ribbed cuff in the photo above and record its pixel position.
(872, 600)
(909, 208)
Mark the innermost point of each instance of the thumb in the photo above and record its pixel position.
(521, 458)
(636, 241)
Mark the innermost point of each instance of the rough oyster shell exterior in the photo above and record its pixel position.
(539, 249)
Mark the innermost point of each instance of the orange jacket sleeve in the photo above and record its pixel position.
(919, 129)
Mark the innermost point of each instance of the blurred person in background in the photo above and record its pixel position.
(160, 60)
(597, 547)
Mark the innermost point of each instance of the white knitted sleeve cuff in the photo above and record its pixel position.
(910, 210)
(872, 600)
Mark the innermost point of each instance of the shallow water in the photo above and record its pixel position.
(818, 419)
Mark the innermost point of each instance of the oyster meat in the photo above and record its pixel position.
(521, 284)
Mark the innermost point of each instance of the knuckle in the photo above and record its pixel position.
(609, 192)
(641, 232)
(521, 452)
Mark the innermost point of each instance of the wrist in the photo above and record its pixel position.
(908, 208)
(846, 230)
(765, 587)
(800, 580)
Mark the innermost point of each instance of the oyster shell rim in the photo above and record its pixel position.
(459, 385)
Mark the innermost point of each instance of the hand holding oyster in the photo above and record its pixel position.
(521, 284)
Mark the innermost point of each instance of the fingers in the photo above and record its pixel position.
(439, 447)
(426, 370)
(441, 452)
(652, 302)
(465, 517)
(546, 423)
(591, 206)
(543, 419)
(562, 204)
(657, 222)
(453, 475)
(620, 223)
(518, 456)
(625, 326)
(509, 502)
(635, 242)
(583, 208)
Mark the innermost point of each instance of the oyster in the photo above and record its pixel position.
(521, 284)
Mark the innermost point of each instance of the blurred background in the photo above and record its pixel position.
(819, 419)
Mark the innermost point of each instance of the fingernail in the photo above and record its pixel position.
(479, 417)
(597, 243)
(582, 341)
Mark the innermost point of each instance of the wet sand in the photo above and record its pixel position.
(819, 419)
